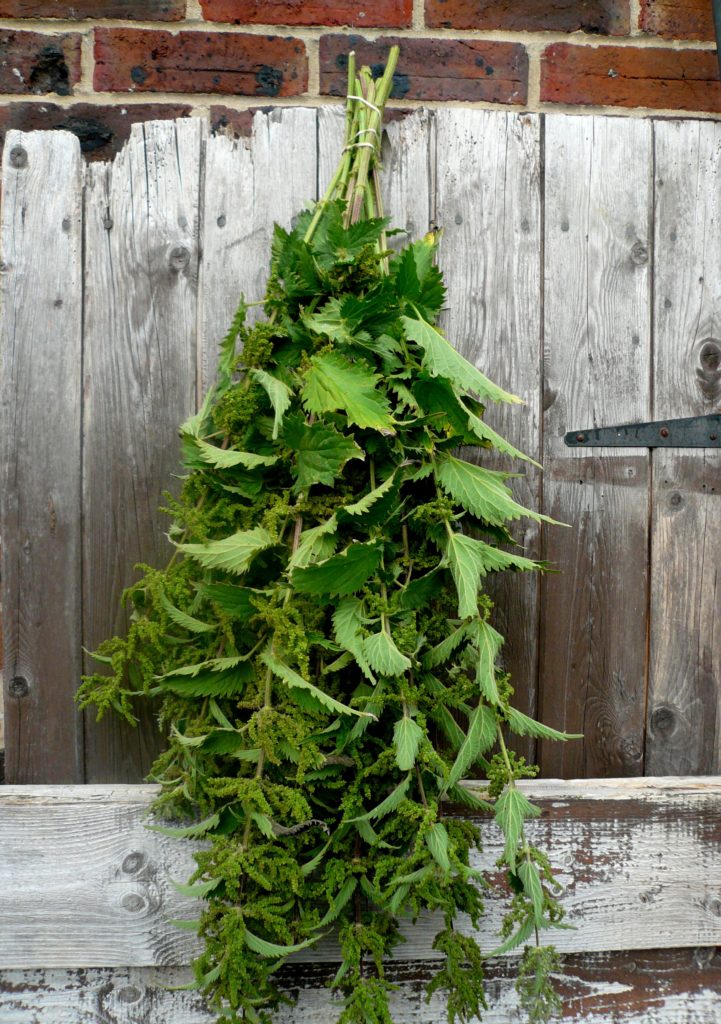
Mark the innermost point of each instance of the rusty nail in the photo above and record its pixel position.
(580, 438)
(663, 431)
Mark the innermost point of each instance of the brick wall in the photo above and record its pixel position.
(95, 66)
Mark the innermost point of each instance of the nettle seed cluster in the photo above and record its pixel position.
(319, 644)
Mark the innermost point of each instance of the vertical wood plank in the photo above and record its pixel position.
(597, 371)
(684, 707)
(489, 205)
(41, 293)
(141, 269)
(250, 184)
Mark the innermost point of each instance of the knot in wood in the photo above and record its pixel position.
(133, 862)
(18, 157)
(179, 258)
(129, 994)
(19, 687)
(663, 720)
(639, 254)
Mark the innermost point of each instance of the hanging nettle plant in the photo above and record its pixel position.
(320, 642)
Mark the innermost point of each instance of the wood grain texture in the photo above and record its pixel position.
(654, 987)
(84, 884)
(141, 276)
(597, 371)
(684, 705)
(250, 184)
(488, 203)
(40, 342)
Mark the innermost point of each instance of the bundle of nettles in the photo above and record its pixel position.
(320, 645)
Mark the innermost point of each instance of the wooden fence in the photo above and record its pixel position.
(582, 258)
(86, 893)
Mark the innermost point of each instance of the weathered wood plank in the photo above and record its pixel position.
(597, 355)
(250, 184)
(141, 275)
(84, 884)
(684, 701)
(40, 338)
(488, 204)
(655, 987)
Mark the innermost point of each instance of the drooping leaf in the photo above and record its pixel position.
(340, 575)
(295, 681)
(347, 629)
(465, 565)
(441, 359)
(479, 738)
(226, 458)
(383, 656)
(194, 831)
(273, 950)
(279, 394)
(197, 890)
(394, 798)
(522, 725)
(481, 491)
(339, 901)
(528, 873)
(234, 553)
(489, 642)
(511, 809)
(363, 504)
(208, 684)
(234, 601)
(185, 621)
(334, 383)
(437, 842)
(321, 452)
(407, 736)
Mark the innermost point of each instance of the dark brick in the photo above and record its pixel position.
(234, 122)
(36, 63)
(630, 76)
(78, 10)
(602, 17)
(143, 60)
(358, 13)
(691, 19)
(102, 130)
(432, 69)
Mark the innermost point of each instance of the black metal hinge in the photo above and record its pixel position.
(691, 432)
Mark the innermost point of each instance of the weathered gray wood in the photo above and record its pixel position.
(84, 884)
(597, 370)
(40, 335)
(684, 701)
(141, 275)
(250, 184)
(659, 987)
(488, 204)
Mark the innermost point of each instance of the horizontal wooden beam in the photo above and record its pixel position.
(84, 884)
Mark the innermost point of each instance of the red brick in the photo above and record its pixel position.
(102, 130)
(358, 13)
(602, 17)
(36, 63)
(691, 19)
(231, 121)
(144, 10)
(629, 76)
(143, 60)
(432, 69)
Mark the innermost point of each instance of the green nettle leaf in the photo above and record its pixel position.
(279, 394)
(383, 656)
(511, 808)
(333, 382)
(437, 842)
(322, 452)
(480, 737)
(489, 642)
(340, 575)
(234, 553)
(181, 618)
(272, 949)
(522, 725)
(226, 458)
(528, 873)
(442, 360)
(407, 735)
(481, 491)
(315, 545)
(296, 681)
(320, 718)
